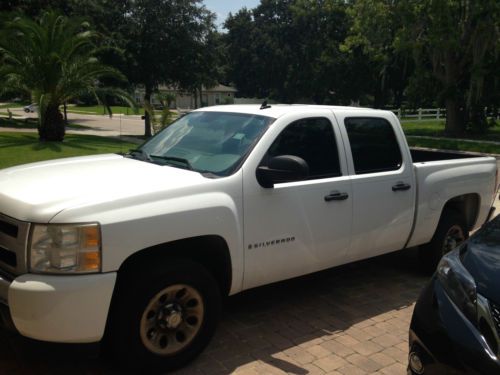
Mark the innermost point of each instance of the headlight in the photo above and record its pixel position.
(65, 248)
(459, 284)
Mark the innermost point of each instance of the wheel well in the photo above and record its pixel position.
(467, 205)
(210, 251)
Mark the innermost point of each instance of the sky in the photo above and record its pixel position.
(223, 7)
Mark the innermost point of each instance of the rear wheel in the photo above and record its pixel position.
(166, 318)
(450, 233)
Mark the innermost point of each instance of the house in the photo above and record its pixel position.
(219, 94)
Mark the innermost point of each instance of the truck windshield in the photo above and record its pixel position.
(212, 143)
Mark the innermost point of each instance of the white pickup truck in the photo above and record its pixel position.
(137, 250)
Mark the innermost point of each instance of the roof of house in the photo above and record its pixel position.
(221, 88)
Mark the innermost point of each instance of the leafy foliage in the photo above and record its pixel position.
(167, 42)
(376, 53)
(54, 61)
(460, 40)
(290, 51)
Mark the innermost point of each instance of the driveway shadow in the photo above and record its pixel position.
(268, 324)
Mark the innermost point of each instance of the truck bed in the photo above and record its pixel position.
(420, 155)
(440, 175)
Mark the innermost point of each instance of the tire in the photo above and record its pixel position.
(164, 317)
(450, 232)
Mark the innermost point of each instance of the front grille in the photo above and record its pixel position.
(495, 314)
(9, 229)
(8, 257)
(13, 242)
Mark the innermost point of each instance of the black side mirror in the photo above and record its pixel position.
(283, 168)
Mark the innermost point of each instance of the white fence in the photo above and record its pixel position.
(420, 113)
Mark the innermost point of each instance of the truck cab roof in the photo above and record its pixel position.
(278, 110)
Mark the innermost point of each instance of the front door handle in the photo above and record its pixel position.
(401, 186)
(336, 196)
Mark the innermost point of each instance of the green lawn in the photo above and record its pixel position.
(94, 109)
(12, 105)
(21, 148)
(18, 124)
(453, 144)
(99, 110)
(435, 128)
(31, 123)
(6, 114)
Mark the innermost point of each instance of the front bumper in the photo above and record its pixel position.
(66, 309)
(445, 340)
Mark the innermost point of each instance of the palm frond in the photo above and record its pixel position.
(55, 59)
(103, 93)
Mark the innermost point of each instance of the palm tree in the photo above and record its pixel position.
(54, 60)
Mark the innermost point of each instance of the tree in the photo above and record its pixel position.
(460, 39)
(243, 66)
(374, 25)
(289, 50)
(162, 38)
(54, 61)
(201, 60)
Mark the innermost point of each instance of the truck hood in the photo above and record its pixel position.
(37, 192)
(481, 257)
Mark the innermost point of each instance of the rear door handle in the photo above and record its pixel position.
(401, 186)
(336, 196)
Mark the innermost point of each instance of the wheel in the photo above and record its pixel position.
(450, 233)
(26, 110)
(165, 318)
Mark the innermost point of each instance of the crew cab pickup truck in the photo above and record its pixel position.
(137, 250)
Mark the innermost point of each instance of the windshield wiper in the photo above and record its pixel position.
(208, 174)
(144, 154)
(174, 159)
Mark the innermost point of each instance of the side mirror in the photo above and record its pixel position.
(283, 168)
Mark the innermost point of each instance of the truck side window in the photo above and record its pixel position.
(313, 140)
(373, 144)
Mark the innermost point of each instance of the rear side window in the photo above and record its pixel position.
(373, 144)
(313, 140)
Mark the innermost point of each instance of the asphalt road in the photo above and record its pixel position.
(99, 124)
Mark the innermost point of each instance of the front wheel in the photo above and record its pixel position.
(450, 233)
(166, 319)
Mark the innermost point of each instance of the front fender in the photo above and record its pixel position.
(131, 226)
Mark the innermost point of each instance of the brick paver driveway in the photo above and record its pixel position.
(349, 320)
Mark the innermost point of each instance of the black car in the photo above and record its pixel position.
(455, 327)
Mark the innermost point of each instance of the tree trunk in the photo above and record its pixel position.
(195, 94)
(147, 114)
(52, 126)
(477, 119)
(65, 115)
(378, 95)
(454, 95)
(455, 125)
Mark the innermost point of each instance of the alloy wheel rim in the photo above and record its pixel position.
(454, 237)
(172, 319)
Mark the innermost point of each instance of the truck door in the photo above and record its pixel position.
(382, 182)
(297, 227)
